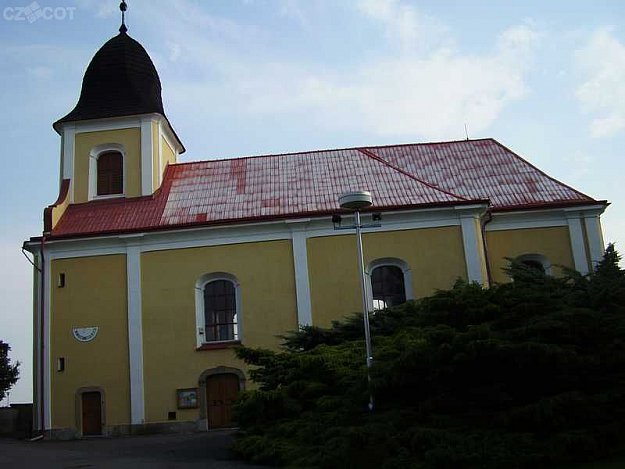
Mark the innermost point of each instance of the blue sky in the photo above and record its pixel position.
(245, 77)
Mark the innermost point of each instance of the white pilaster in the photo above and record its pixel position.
(160, 154)
(576, 234)
(147, 152)
(472, 249)
(47, 377)
(37, 336)
(595, 238)
(302, 284)
(135, 334)
(69, 136)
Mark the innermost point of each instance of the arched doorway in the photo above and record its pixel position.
(220, 388)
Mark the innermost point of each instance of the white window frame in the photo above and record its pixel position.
(394, 262)
(535, 257)
(199, 307)
(94, 154)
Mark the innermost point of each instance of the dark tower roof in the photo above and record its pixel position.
(121, 80)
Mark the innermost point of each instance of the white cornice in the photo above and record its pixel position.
(541, 218)
(248, 232)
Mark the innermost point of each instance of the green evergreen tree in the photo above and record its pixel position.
(8, 373)
(528, 373)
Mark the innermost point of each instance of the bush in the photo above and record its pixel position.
(527, 373)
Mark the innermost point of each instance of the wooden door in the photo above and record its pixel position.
(221, 392)
(91, 413)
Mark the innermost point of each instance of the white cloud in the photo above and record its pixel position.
(414, 92)
(102, 9)
(404, 26)
(602, 93)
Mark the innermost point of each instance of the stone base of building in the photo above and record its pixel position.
(112, 431)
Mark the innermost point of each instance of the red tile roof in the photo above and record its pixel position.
(309, 184)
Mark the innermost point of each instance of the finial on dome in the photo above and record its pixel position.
(123, 7)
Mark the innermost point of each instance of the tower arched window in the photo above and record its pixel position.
(107, 171)
(110, 173)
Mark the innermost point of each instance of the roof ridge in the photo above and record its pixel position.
(519, 157)
(374, 156)
(325, 150)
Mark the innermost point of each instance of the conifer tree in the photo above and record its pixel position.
(8, 373)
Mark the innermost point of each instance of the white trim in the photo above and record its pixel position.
(389, 261)
(127, 122)
(135, 334)
(111, 123)
(69, 137)
(159, 177)
(472, 249)
(94, 154)
(595, 239)
(147, 156)
(199, 306)
(241, 233)
(37, 365)
(578, 248)
(302, 282)
(47, 330)
(526, 219)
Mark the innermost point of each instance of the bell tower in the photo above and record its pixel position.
(117, 141)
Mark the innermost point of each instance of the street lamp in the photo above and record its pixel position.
(356, 201)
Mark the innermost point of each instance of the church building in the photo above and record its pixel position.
(150, 271)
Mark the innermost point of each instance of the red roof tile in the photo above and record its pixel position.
(482, 169)
(302, 184)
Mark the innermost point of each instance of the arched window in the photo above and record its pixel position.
(220, 311)
(391, 283)
(536, 261)
(217, 308)
(107, 171)
(387, 286)
(110, 173)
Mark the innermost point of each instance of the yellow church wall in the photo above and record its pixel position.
(169, 156)
(171, 361)
(94, 295)
(553, 243)
(435, 257)
(86, 141)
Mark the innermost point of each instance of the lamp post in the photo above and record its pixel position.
(356, 201)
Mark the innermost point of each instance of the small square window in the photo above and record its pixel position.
(61, 281)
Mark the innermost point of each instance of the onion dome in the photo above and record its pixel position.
(121, 80)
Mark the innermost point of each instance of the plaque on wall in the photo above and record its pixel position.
(187, 398)
(84, 334)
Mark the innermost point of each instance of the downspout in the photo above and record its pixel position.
(488, 217)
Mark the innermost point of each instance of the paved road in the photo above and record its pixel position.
(205, 450)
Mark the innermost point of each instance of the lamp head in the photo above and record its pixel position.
(356, 200)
